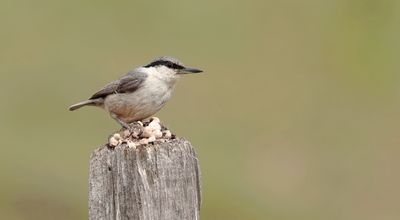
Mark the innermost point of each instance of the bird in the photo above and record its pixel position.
(141, 92)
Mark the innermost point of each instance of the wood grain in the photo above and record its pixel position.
(158, 181)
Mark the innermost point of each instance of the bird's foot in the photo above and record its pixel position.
(135, 129)
(140, 133)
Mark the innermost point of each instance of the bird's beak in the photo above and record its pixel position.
(189, 70)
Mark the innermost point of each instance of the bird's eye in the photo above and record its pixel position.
(176, 66)
(173, 65)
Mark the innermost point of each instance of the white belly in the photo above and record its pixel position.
(141, 104)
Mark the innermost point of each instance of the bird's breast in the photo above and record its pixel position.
(140, 104)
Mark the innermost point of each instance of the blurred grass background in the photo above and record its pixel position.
(296, 116)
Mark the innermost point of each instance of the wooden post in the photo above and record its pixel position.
(159, 181)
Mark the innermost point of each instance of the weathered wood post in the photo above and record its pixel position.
(156, 181)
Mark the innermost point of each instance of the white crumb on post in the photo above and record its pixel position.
(117, 136)
(113, 142)
(158, 134)
(140, 123)
(126, 133)
(143, 141)
(154, 126)
(167, 134)
(155, 119)
(141, 133)
(151, 139)
(131, 144)
(147, 132)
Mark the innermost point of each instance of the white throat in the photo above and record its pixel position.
(163, 74)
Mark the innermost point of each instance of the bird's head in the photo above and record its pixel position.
(170, 67)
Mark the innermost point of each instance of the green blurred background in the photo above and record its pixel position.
(295, 117)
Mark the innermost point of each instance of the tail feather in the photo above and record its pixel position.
(81, 104)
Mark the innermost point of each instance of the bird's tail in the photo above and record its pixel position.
(81, 104)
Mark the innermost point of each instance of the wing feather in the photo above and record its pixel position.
(128, 83)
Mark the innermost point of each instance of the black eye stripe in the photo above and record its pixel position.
(168, 64)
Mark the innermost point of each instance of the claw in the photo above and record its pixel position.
(136, 128)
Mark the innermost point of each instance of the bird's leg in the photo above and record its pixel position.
(135, 128)
(122, 123)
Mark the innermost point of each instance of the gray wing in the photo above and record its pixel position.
(128, 83)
